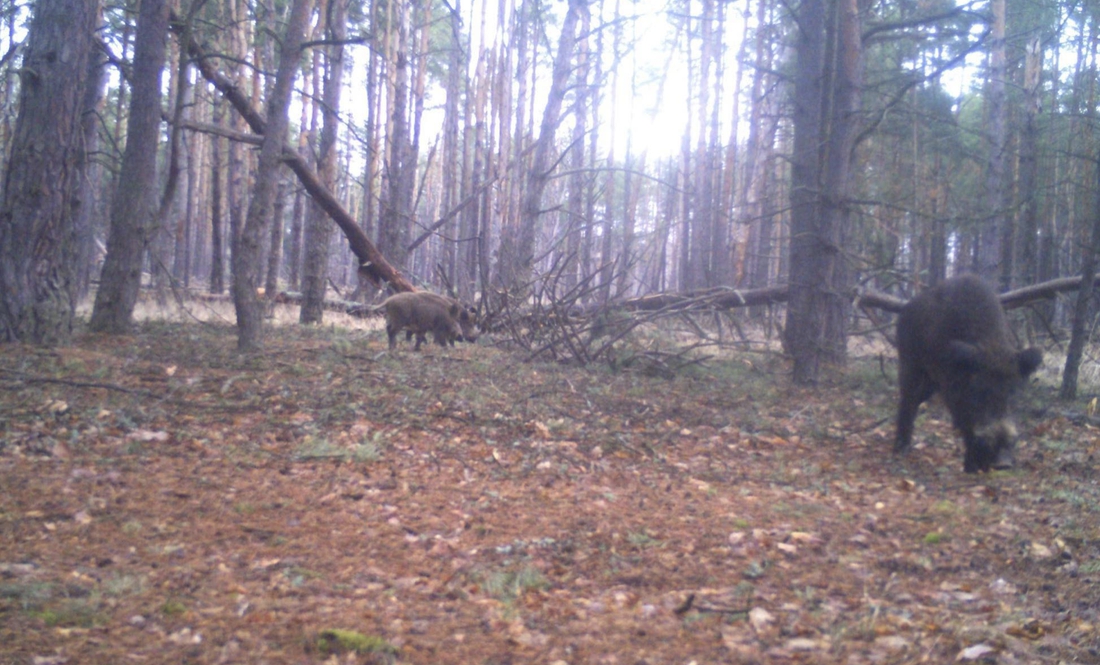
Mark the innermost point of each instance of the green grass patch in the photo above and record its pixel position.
(508, 585)
(338, 641)
(935, 538)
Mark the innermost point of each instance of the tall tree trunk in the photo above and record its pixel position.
(91, 211)
(301, 201)
(165, 239)
(451, 161)
(826, 98)
(131, 212)
(1083, 305)
(994, 257)
(247, 261)
(517, 252)
(318, 230)
(217, 227)
(275, 248)
(1029, 166)
(400, 167)
(38, 215)
(574, 213)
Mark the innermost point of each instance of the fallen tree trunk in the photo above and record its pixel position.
(722, 298)
(371, 262)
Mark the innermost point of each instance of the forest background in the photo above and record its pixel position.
(589, 152)
(576, 170)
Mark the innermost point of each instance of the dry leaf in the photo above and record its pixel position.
(975, 652)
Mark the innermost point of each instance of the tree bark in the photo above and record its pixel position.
(247, 261)
(1029, 166)
(318, 232)
(993, 259)
(133, 206)
(217, 176)
(1082, 307)
(400, 168)
(38, 246)
(91, 211)
(827, 81)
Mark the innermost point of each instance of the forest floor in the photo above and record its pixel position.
(165, 499)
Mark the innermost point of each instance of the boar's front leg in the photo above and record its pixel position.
(979, 454)
(916, 388)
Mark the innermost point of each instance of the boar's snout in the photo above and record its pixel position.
(467, 320)
(994, 446)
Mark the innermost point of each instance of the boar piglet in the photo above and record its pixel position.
(953, 339)
(466, 317)
(419, 314)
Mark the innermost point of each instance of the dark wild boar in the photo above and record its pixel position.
(420, 313)
(466, 317)
(953, 339)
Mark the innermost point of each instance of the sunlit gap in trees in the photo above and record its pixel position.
(643, 92)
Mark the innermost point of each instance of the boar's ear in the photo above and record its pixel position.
(1029, 360)
(963, 356)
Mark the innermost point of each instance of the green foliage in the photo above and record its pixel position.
(173, 608)
(934, 538)
(337, 641)
(316, 448)
(508, 585)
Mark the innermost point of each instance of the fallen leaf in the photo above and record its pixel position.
(974, 652)
(1040, 551)
(760, 619)
(803, 644)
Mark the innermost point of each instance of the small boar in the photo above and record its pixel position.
(467, 317)
(953, 339)
(420, 312)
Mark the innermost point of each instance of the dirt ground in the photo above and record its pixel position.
(164, 499)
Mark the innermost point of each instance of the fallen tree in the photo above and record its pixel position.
(372, 264)
(725, 298)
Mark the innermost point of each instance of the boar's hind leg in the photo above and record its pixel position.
(916, 388)
(391, 332)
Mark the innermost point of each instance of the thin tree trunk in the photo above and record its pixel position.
(994, 258)
(91, 211)
(400, 167)
(275, 249)
(1082, 307)
(1029, 166)
(217, 176)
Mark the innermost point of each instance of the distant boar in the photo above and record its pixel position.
(420, 313)
(953, 338)
(466, 317)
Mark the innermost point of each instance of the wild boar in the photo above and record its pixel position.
(418, 312)
(467, 317)
(953, 339)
